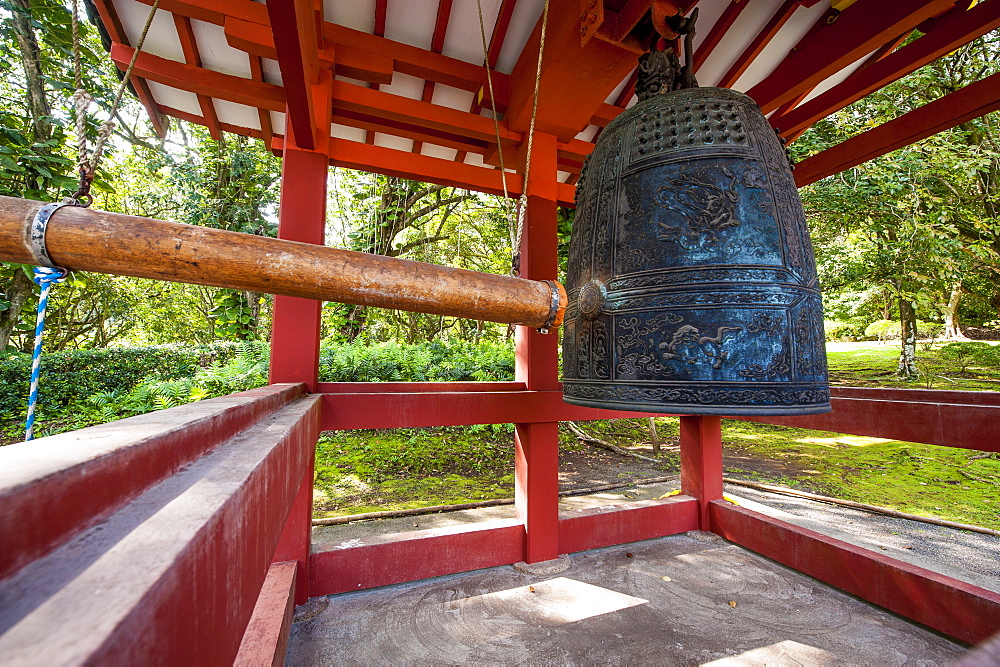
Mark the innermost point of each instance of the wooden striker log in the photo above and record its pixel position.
(89, 240)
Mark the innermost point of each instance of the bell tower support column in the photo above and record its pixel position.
(536, 446)
(701, 462)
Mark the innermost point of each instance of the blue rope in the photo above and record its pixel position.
(45, 277)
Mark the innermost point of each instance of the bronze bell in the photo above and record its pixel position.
(692, 285)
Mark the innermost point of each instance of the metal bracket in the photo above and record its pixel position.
(553, 308)
(36, 233)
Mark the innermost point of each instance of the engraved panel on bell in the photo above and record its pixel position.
(695, 213)
(692, 282)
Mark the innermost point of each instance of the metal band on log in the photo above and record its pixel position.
(88, 240)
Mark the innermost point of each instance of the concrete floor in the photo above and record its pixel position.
(680, 600)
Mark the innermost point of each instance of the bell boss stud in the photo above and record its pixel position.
(692, 284)
(82, 239)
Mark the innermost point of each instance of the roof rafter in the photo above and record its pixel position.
(293, 23)
(858, 30)
(975, 100)
(718, 31)
(759, 42)
(437, 45)
(189, 45)
(953, 30)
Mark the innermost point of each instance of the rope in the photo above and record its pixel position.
(45, 277)
(496, 120)
(517, 230)
(522, 202)
(82, 101)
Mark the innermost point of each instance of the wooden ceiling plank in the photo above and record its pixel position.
(759, 43)
(718, 31)
(112, 23)
(973, 101)
(957, 28)
(293, 24)
(203, 81)
(189, 45)
(858, 30)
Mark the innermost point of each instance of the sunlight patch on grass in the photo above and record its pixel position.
(851, 440)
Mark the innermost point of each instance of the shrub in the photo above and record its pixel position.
(882, 330)
(843, 331)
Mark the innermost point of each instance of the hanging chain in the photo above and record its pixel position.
(82, 100)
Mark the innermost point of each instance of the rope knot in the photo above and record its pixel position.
(49, 275)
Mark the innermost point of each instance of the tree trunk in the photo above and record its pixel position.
(952, 326)
(908, 352)
(31, 57)
(17, 293)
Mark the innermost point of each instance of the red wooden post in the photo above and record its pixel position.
(536, 446)
(701, 462)
(301, 217)
(295, 334)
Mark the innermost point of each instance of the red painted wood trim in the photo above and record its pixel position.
(263, 115)
(394, 559)
(946, 424)
(175, 576)
(963, 611)
(956, 28)
(919, 395)
(55, 487)
(265, 640)
(759, 42)
(975, 100)
(859, 30)
(718, 31)
(189, 45)
(294, 545)
(597, 527)
(359, 411)
(415, 387)
(536, 488)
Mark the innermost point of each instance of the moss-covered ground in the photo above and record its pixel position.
(364, 471)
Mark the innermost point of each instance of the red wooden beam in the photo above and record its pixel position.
(575, 79)
(963, 611)
(202, 81)
(859, 30)
(946, 418)
(956, 28)
(293, 23)
(718, 32)
(189, 45)
(200, 120)
(973, 101)
(398, 410)
(763, 38)
(266, 636)
(384, 560)
(45, 503)
(596, 527)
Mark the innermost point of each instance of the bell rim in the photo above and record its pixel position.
(682, 409)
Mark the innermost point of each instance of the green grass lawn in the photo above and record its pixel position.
(363, 471)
